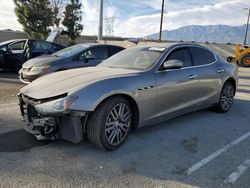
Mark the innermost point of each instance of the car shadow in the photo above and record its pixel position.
(9, 77)
(160, 152)
(18, 140)
(166, 150)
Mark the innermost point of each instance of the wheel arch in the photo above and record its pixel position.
(232, 81)
(132, 102)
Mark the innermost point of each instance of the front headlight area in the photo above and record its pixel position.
(39, 68)
(56, 106)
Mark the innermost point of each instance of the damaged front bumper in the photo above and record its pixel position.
(69, 125)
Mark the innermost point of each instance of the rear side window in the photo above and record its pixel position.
(201, 56)
(42, 45)
(181, 54)
(114, 50)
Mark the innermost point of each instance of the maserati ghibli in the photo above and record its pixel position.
(136, 87)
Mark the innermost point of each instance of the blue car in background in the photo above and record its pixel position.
(13, 53)
(77, 56)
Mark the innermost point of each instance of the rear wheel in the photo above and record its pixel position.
(110, 123)
(245, 60)
(226, 97)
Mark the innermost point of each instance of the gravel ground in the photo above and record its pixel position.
(156, 156)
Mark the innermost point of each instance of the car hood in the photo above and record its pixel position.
(59, 83)
(41, 60)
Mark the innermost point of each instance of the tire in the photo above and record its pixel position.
(110, 123)
(229, 59)
(226, 98)
(244, 61)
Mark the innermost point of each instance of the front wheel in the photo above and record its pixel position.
(226, 98)
(110, 123)
(245, 60)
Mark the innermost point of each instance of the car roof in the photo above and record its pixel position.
(11, 41)
(170, 45)
(99, 44)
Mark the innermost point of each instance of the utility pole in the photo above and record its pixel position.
(162, 12)
(100, 29)
(245, 39)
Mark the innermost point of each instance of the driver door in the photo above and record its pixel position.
(176, 88)
(14, 55)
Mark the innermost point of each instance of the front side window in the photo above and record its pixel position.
(181, 54)
(70, 51)
(17, 46)
(96, 53)
(201, 56)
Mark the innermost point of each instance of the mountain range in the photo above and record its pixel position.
(209, 33)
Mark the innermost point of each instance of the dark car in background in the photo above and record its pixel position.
(14, 53)
(80, 55)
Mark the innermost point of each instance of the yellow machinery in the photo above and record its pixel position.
(242, 56)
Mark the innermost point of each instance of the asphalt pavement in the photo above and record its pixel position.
(200, 149)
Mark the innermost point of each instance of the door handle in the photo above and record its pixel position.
(220, 70)
(192, 76)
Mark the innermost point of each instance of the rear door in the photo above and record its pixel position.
(40, 48)
(177, 88)
(208, 73)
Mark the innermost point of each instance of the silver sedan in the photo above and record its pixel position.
(136, 87)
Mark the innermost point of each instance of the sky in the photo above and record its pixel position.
(139, 18)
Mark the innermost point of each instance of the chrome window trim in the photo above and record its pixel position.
(187, 46)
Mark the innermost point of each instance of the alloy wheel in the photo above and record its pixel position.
(117, 124)
(227, 97)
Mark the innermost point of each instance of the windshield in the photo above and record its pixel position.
(134, 58)
(70, 51)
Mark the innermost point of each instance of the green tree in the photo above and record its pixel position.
(72, 20)
(57, 7)
(35, 17)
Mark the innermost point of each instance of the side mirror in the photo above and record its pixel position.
(173, 64)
